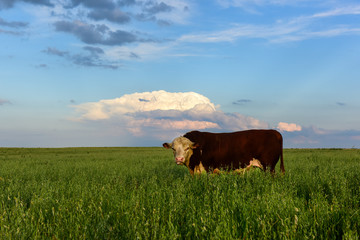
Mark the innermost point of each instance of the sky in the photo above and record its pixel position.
(89, 73)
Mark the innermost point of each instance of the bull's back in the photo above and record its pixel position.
(264, 145)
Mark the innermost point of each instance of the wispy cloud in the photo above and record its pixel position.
(90, 59)
(113, 26)
(42, 65)
(339, 11)
(5, 4)
(107, 25)
(283, 30)
(55, 51)
(163, 12)
(241, 102)
(341, 104)
(96, 34)
(14, 33)
(140, 52)
(278, 33)
(313, 137)
(15, 24)
(261, 3)
(4, 101)
(100, 23)
(14, 27)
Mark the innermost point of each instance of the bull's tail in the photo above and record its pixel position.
(282, 168)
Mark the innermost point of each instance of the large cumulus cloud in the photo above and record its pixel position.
(163, 113)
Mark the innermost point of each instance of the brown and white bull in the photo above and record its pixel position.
(204, 152)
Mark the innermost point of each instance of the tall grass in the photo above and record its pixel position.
(129, 193)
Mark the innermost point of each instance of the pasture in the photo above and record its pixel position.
(140, 193)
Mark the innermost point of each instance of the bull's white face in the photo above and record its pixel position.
(182, 148)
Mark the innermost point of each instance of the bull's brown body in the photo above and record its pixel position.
(235, 150)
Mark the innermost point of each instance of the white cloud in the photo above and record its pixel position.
(144, 102)
(160, 113)
(289, 127)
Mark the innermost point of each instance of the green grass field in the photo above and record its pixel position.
(140, 193)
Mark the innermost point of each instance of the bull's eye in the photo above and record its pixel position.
(187, 149)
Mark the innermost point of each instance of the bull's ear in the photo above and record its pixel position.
(195, 145)
(166, 145)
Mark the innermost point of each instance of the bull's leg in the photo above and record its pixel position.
(216, 171)
(272, 170)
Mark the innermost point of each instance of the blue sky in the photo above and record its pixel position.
(141, 72)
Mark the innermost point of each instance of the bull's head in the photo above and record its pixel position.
(182, 148)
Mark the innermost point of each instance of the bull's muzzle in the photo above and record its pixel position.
(179, 160)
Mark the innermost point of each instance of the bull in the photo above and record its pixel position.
(205, 152)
